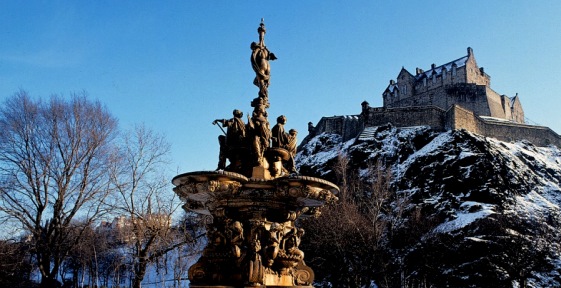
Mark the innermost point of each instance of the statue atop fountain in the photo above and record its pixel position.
(255, 200)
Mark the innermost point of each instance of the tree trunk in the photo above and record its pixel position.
(139, 273)
(48, 277)
(75, 277)
(48, 282)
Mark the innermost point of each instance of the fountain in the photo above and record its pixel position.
(253, 240)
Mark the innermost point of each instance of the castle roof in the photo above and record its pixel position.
(434, 70)
(438, 70)
(391, 87)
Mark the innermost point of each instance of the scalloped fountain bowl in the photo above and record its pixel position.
(206, 191)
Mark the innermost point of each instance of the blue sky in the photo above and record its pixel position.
(178, 65)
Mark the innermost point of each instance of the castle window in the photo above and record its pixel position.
(433, 78)
(404, 89)
(425, 81)
(454, 70)
(444, 73)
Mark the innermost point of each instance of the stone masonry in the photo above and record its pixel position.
(455, 95)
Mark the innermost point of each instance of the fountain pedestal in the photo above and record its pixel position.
(253, 240)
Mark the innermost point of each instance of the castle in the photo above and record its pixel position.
(455, 95)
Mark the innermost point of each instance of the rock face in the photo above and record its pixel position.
(491, 209)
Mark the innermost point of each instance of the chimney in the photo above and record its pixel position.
(365, 105)
(432, 66)
(392, 82)
(470, 51)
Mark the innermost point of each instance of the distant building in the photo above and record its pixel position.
(121, 228)
(455, 95)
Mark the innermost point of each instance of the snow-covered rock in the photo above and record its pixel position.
(491, 209)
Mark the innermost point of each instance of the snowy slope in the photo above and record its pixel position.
(491, 209)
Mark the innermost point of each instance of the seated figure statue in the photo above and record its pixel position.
(287, 141)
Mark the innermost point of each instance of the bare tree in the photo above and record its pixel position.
(54, 163)
(15, 264)
(146, 200)
(374, 205)
(90, 258)
(348, 233)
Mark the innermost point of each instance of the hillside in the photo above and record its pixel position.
(489, 210)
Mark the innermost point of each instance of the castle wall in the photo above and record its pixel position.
(407, 116)
(517, 111)
(347, 126)
(450, 77)
(480, 99)
(474, 74)
(497, 105)
(405, 82)
(505, 101)
(470, 96)
(508, 131)
(456, 117)
(460, 118)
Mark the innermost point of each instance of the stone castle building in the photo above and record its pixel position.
(455, 95)
(460, 82)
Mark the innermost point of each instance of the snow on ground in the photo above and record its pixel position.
(475, 239)
(466, 154)
(322, 155)
(534, 206)
(544, 157)
(321, 149)
(547, 195)
(431, 147)
(464, 217)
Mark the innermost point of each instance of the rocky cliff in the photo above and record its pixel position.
(490, 210)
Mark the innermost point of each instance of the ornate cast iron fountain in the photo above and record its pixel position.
(255, 200)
